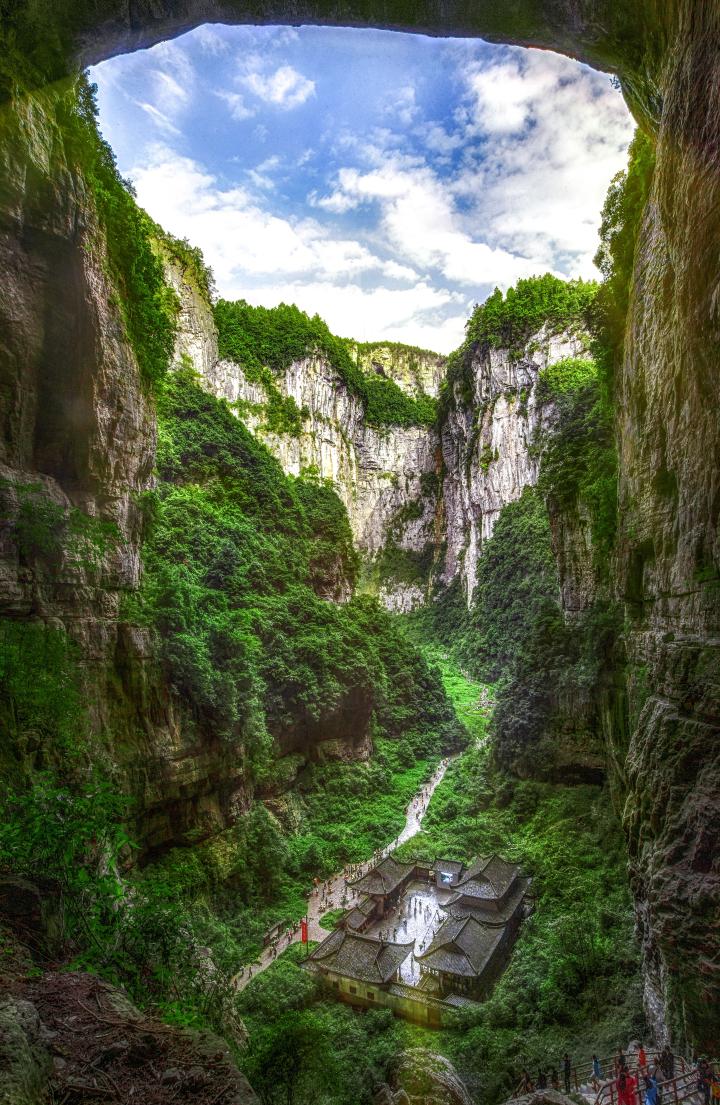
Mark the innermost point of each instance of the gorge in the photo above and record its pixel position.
(193, 615)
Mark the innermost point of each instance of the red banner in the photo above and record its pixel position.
(304, 931)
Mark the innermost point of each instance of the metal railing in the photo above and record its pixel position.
(671, 1091)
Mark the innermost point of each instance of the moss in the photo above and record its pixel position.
(148, 306)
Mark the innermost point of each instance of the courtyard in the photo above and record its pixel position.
(417, 916)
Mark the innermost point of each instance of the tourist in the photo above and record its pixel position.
(641, 1057)
(703, 1080)
(567, 1068)
(626, 1088)
(542, 1080)
(596, 1073)
(554, 1079)
(620, 1063)
(651, 1089)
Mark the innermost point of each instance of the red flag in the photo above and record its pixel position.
(304, 930)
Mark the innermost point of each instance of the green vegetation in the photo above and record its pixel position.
(47, 533)
(266, 341)
(517, 585)
(471, 699)
(234, 556)
(509, 321)
(579, 461)
(41, 707)
(236, 559)
(619, 228)
(148, 306)
(330, 919)
(305, 1047)
(189, 259)
(573, 981)
(397, 349)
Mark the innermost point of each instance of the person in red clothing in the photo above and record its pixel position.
(625, 1088)
(642, 1057)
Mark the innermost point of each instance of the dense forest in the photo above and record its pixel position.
(214, 696)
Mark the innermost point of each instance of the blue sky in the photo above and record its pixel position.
(386, 181)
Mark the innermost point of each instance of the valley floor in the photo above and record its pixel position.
(334, 893)
(573, 980)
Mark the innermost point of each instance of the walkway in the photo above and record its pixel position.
(334, 892)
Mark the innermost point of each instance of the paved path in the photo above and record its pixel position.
(334, 893)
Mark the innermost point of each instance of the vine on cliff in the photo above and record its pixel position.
(148, 306)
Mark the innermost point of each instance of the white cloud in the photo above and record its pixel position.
(264, 258)
(209, 41)
(158, 117)
(418, 217)
(544, 138)
(404, 106)
(238, 108)
(415, 315)
(285, 87)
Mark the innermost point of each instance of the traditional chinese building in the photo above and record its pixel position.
(482, 905)
(359, 967)
(384, 884)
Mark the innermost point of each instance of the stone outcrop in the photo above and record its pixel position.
(72, 1035)
(422, 1077)
(491, 442)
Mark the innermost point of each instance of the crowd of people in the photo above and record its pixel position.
(639, 1082)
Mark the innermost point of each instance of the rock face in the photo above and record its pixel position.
(669, 558)
(491, 441)
(74, 418)
(386, 477)
(50, 1048)
(423, 1078)
(433, 495)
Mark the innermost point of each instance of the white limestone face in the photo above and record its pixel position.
(490, 448)
(388, 478)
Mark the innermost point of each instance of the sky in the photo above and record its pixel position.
(386, 181)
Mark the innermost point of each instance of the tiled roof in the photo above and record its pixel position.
(358, 915)
(360, 957)
(463, 904)
(463, 947)
(487, 879)
(451, 865)
(384, 878)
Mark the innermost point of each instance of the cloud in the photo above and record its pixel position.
(284, 88)
(414, 315)
(209, 41)
(544, 138)
(259, 256)
(418, 217)
(158, 117)
(238, 108)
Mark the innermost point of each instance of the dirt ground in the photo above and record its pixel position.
(68, 1038)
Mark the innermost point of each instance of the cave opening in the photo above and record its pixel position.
(387, 181)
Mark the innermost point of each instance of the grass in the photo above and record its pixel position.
(471, 699)
(330, 919)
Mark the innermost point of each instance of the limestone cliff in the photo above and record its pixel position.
(60, 339)
(492, 440)
(385, 476)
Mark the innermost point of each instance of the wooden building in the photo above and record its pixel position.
(359, 967)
